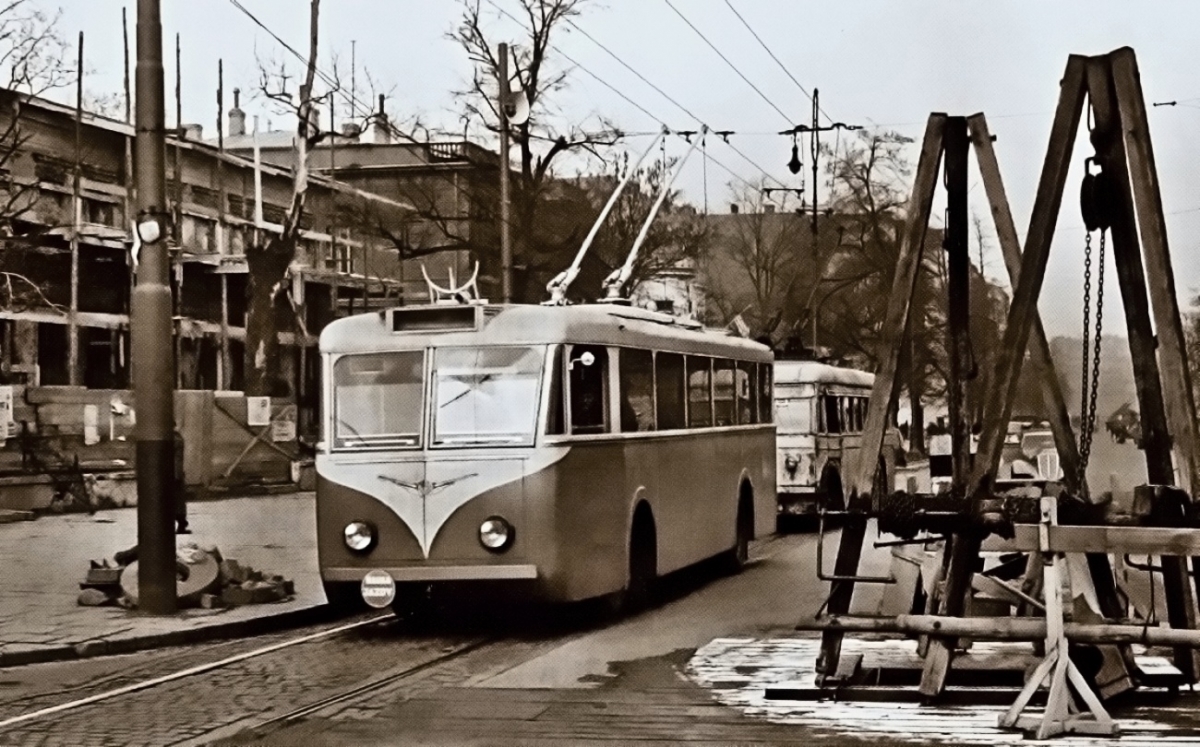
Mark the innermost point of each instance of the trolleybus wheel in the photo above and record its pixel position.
(643, 562)
(739, 555)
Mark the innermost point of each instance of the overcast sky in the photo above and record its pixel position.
(885, 63)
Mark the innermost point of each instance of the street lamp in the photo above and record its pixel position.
(149, 229)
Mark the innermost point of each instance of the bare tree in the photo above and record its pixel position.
(540, 141)
(755, 267)
(270, 255)
(35, 57)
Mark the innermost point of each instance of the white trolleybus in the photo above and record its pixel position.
(578, 451)
(820, 411)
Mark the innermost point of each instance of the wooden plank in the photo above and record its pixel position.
(1007, 629)
(998, 407)
(1155, 418)
(896, 321)
(1165, 541)
(1039, 346)
(1181, 406)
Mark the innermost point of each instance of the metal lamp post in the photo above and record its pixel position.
(151, 329)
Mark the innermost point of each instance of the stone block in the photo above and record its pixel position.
(233, 572)
(210, 601)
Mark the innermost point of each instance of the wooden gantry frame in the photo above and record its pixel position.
(1111, 87)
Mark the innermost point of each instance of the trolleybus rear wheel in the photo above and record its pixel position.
(643, 562)
(738, 556)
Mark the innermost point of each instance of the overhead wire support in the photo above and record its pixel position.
(614, 284)
(561, 283)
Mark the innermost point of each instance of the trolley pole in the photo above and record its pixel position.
(506, 256)
(151, 328)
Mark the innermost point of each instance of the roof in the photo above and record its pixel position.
(605, 324)
(807, 372)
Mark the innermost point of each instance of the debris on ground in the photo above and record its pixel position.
(204, 578)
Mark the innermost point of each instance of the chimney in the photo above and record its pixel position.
(193, 132)
(351, 130)
(733, 208)
(768, 207)
(237, 117)
(383, 128)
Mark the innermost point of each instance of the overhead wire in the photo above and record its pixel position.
(779, 62)
(640, 77)
(729, 62)
(355, 104)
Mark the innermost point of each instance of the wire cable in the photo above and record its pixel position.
(767, 49)
(728, 62)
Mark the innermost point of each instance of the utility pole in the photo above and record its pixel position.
(151, 328)
(506, 257)
(814, 131)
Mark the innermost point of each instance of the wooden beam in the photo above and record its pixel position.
(884, 391)
(1163, 541)
(1172, 351)
(998, 408)
(895, 322)
(1039, 345)
(1127, 255)
(1006, 629)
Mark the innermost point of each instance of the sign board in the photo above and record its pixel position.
(378, 589)
(6, 412)
(283, 427)
(258, 411)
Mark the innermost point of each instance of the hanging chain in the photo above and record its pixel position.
(1090, 386)
(1084, 367)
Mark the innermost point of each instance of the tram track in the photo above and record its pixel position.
(79, 703)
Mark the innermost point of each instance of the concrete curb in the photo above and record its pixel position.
(202, 634)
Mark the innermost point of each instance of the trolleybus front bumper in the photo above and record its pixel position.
(439, 573)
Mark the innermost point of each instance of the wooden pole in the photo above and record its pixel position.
(73, 372)
(1039, 346)
(958, 291)
(1021, 313)
(895, 322)
(1172, 350)
(854, 530)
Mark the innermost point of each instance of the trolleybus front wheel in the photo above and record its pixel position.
(344, 596)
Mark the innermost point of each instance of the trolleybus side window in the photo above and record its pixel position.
(833, 415)
(636, 375)
(377, 399)
(555, 416)
(724, 411)
(486, 395)
(588, 388)
(765, 395)
(699, 374)
(744, 393)
(669, 391)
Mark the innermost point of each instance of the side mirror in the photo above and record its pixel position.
(587, 358)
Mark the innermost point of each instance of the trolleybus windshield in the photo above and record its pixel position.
(793, 413)
(378, 399)
(486, 395)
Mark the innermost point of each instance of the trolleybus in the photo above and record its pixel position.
(820, 411)
(570, 452)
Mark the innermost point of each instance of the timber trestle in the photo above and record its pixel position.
(1052, 530)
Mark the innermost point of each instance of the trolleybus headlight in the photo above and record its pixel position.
(791, 463)
(496, 534)
(359, 536)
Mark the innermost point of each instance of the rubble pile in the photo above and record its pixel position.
(204, 578)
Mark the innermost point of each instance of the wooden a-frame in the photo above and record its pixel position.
(1120, 135)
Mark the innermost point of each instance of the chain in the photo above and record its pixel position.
(1084, 446)
(1089, 390)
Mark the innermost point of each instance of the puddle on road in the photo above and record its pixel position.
(654, 672)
